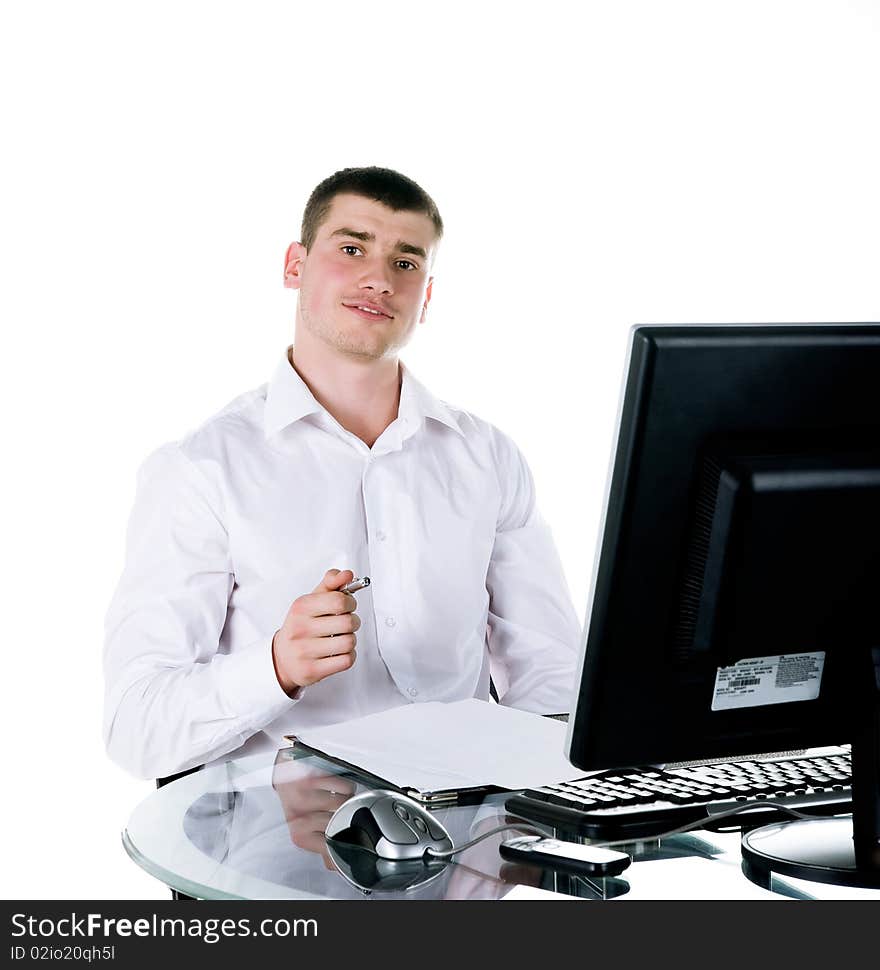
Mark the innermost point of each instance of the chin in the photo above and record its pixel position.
(363, 349)
(374, 346)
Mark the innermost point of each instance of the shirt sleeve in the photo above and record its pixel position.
(534, 634)
(172, 698)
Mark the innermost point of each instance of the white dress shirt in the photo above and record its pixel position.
(238, 519)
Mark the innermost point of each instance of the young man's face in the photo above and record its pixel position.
(364, 282)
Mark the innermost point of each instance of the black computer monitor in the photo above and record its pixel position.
(736, 599)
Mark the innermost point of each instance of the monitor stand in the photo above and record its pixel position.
(844, 851)
(820, 850)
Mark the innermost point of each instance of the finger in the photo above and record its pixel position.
(321, 604)
(327, 666)
(304, 608)
(334, 579)
(330, 603)
(317, 648)
(326, 626)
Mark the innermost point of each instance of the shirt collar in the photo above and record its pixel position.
(288, 399)
(417, 403)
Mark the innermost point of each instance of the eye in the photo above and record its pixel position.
(355, 250)
(406, 264)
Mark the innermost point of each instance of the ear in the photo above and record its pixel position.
(293, 260)
(427, 300)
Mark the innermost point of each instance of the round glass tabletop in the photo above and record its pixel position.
(254, 829)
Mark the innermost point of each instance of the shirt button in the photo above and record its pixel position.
(413, 692)
(390, 621)
(381, 536)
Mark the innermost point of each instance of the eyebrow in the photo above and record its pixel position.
(401, 247)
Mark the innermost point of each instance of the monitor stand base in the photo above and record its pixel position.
(820, 850)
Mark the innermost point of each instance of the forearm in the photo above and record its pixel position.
(162, 719)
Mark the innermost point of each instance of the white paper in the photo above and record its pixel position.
(435, 746)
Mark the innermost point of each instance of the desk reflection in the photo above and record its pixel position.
(275, 832)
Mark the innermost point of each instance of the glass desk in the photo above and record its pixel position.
(254, 829)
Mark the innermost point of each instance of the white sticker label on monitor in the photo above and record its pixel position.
(768, 680)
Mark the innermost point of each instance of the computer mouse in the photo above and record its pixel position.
(388, 824)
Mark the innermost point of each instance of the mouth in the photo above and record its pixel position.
(368, 311)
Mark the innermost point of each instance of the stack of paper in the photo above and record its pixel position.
(435, 746)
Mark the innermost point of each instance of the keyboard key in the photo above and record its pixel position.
(650, 799)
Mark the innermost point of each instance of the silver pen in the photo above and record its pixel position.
(355, 585)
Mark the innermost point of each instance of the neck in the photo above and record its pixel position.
(361, 394)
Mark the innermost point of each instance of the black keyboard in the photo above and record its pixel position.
(645, 802)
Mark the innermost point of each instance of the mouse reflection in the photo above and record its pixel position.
(370, 874)
(276, 832)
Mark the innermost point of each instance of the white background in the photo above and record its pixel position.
(597, 165)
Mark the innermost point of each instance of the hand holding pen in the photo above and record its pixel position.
(317, 638)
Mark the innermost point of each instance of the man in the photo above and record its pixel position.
(229, 628)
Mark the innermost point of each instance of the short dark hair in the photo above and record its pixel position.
(380, 184)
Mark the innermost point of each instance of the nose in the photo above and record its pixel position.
(376, 276)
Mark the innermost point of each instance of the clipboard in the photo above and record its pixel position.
(427, 752)
(439, 798)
